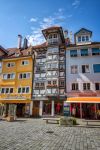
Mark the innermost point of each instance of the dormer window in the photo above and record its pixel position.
(87, 38)
(83, 36)
(79, 39)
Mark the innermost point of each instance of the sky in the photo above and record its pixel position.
(29, 17)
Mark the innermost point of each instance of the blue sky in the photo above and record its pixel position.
(28, 17)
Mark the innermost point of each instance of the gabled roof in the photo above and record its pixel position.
(3, 49)
(53, 28)
(83, 29)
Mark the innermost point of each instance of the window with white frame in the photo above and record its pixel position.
(62, 66)
(62, 83)
(97, 86)
(83, 38)
(24, 75)
(62, 74)
(95, 51)
(10, 64)
(61, 91)
(6, 90)
(85, 69)
(74, 86)
(24, 62)
(86, 86)
(74, 69)
(52, 73)
(9, 76)
(23, 90)
(42, 92)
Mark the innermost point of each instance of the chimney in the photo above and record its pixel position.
(19, 41)
(65, 34)
(25, 43)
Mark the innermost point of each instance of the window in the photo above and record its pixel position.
(6, 90)
(49, 91)
(83, 38)
(95, 51)
(17, 54)
(74, 69)
(8, 76)
(74, 86)
(11, 64)
(25, 62)
(24, 75)
(54, 82)
(61, 58)
(84, 52)
(19, 90)
(62, 83)
(53, 50)
(79, 39)
(37, 84)
(23, 90)
(85, 69)
(61, 91)
(42, 92)
(87, 38)
(97, 86)
(49, 82)
(55, 35)
(62, 66)
(62, 74)
(96, 68)
(73, 53)
(86, 86)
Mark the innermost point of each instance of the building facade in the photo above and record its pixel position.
(16, 82)
(83, 74)
(49, 74)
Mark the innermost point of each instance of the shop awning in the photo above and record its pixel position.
(18, 101)
(83, 100)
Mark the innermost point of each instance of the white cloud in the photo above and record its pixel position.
(76, 3)
(36, 36)
(69, 16)
(60, 9)
(33, 20)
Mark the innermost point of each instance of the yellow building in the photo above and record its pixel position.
(16, 82)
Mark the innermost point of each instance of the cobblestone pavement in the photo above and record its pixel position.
(35, 134)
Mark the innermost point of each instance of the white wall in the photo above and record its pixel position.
(81, 77)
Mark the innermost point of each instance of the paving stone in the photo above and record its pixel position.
(35, 134)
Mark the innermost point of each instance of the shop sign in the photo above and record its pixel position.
(66, 109)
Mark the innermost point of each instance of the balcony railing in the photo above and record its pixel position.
(52, 85)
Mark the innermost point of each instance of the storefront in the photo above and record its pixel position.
(85, 107)
(19, 108)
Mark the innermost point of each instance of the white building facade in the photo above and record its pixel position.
(83, 72)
